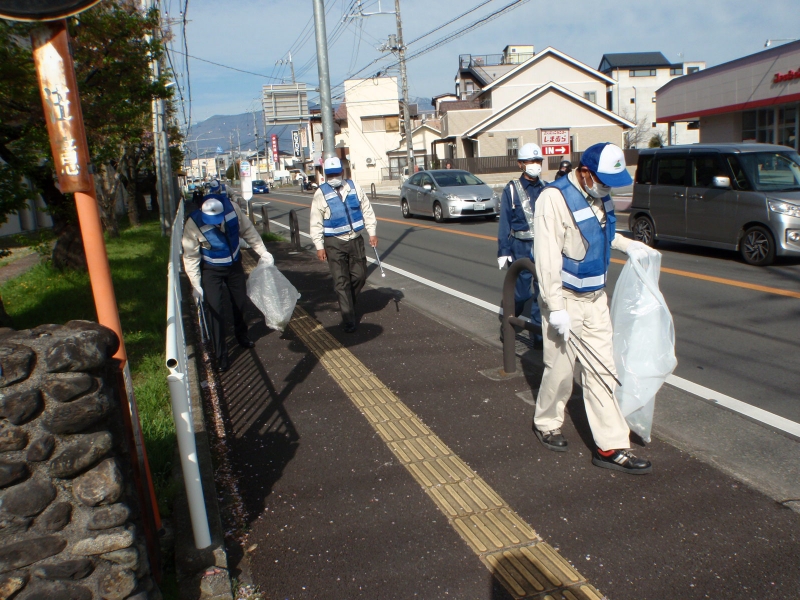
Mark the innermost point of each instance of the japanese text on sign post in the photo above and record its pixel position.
(555, 142)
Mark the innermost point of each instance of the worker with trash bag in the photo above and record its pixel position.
(575, 231)
(212, 260)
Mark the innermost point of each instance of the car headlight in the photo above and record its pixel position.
(453, 198)
(784, 208)
(495, 197)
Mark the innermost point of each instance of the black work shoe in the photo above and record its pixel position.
(349, 327)
(223, 365)
(245, 342)
(552, 440)
(623, 460)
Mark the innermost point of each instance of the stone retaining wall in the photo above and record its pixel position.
(69, 526)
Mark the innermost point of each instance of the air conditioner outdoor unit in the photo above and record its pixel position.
(370, 161)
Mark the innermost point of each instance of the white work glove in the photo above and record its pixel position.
(503, 260)
(639, 251)
(197, 294)
(560, 321)
(266, 258)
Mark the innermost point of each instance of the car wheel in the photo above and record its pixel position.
(438, 215)
(644, 231)
(757, 246)
(406, 210)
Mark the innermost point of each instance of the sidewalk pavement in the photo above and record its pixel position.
(385, 464)
(18, 267)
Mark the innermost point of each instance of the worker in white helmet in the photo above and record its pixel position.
(575, 231)
(340, 210)
(515, 232)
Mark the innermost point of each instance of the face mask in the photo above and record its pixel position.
(598, 190)
(335, 182)
(533, 169)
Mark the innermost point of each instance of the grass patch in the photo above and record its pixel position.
(272, 237)
(138, 261)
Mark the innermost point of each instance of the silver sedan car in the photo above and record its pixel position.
(448, 194)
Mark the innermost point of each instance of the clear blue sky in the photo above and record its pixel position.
(253, 34)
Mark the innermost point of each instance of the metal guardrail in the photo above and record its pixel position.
(509, 320)
(178, 380)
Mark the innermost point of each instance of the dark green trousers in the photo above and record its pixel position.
(348, 264)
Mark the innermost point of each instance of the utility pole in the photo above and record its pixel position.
(291, 64)
(255, 131)
(326, 107)
(401, 53)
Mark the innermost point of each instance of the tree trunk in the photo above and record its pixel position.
(106, 187)
(68, 252)
(130, 188)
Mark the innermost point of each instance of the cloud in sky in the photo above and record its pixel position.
(253, 34)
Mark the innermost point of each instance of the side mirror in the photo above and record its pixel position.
(722, 182)
(427, 187)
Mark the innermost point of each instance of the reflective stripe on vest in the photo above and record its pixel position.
(589, 274)
(344, 216)
(224, 250)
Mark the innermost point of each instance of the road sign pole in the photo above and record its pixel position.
(326, 106)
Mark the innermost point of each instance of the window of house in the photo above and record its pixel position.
(371, 124)
(470, 87)
(590, 96)
(512, 145)
(653, 124)
(691, 70)
(676, 71)
(633, 100)
(610, 100)
(392, 123)
(642, 73)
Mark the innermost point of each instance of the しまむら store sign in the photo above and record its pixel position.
(555, 142)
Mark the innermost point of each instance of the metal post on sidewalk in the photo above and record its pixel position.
(373, 192)
(294, 230)
(264, 219)
(509, 320)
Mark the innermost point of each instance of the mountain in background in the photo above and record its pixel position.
(235, 131)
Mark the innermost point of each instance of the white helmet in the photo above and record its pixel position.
(530, 152)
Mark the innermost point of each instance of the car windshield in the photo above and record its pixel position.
(456, 178)
(772, 171)
(259, 182)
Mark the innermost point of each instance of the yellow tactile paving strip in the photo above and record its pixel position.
(527, 566)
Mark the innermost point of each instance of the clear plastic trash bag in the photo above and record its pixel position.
(644, 341)
(272, 294)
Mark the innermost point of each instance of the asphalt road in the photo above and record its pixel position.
(737, 341)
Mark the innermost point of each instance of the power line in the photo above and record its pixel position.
(211, 62)
(450, 22)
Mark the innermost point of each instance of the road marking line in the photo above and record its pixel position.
(758, 414)
(710, 278)
(513, 552)
(722, 280)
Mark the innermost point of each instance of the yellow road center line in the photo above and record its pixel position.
(710, 278)
(521, 561)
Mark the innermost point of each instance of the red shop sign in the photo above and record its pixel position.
(781, 77)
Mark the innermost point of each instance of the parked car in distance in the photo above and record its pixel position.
(743, 197)
(448, 194)
(260, 186)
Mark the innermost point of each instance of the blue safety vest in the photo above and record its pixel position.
(345, 216)
(589, 274)
(224, 250)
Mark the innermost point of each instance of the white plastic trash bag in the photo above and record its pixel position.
(272, 294)
(644, 341)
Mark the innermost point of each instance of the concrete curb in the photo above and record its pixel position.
(202, 574)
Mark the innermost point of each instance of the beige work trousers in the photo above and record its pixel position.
(591, 322)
